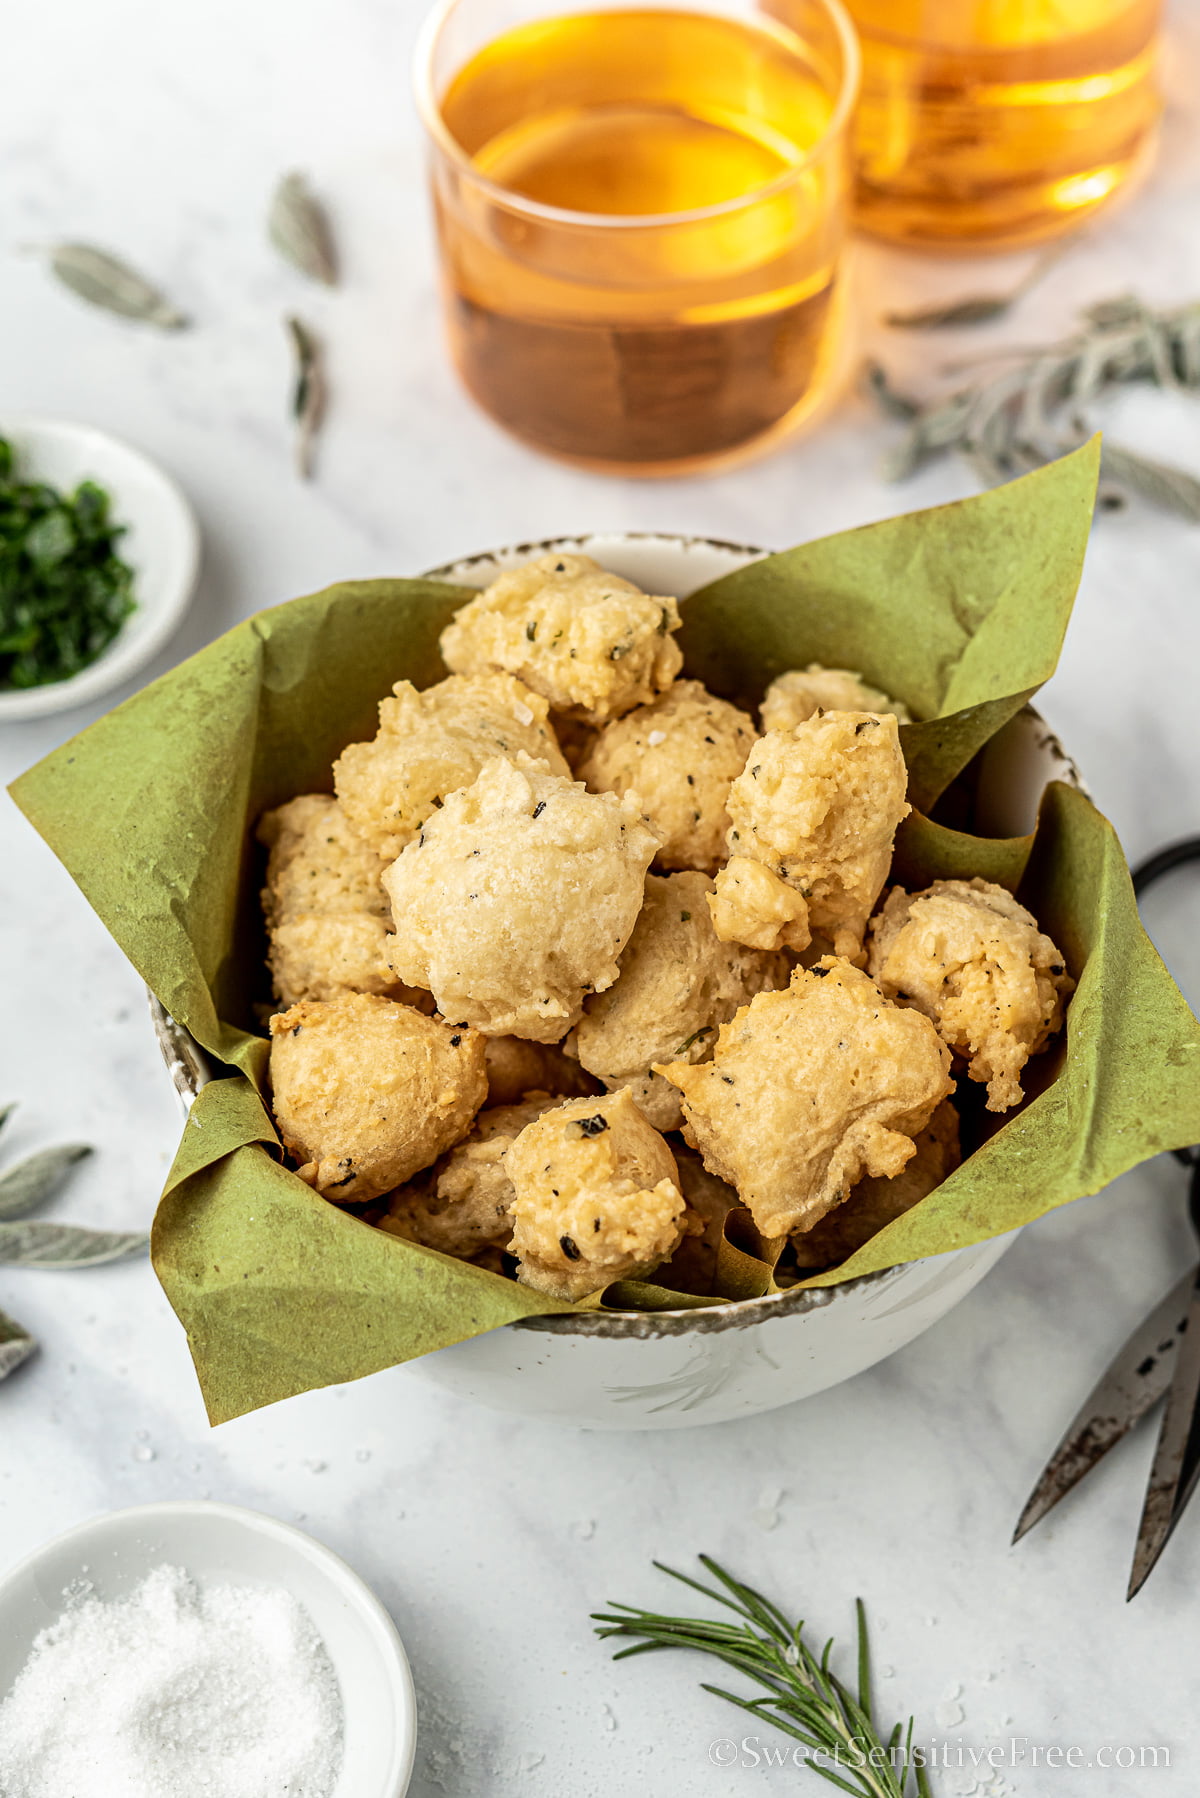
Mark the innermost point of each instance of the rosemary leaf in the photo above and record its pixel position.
(64, 1245)
(16, 1345)
(308, 393)
(109, 282)
(34, 1179)
(299, 229)
(800, 1696)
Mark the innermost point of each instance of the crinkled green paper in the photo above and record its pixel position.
(958, 611)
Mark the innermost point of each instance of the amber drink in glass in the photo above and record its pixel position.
(641, 213)
(999, 123)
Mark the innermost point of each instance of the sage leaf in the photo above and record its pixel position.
(1172, 488)
(16, 1345)
(308, 393)
(977, 309)
(890, 400)
(299, 229)
(106, 281)
(33, 1180)
(64, 1245)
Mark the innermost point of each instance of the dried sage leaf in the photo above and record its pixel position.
(65, 1245)
(105, 280)
(16, 1345)
(977, 309)
(890, 400)
(299, 229)
(1172, 488)
(308, 394)
(33, 1180)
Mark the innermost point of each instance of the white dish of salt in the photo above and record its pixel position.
(174, 1595)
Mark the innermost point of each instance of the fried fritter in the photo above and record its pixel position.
(430, 744)
(517, 898)
(876, 1202)
(969, 957)
(597, 1197)
(677, 984)
(818, 806)
(809, 1089)
(595, 645)
(367, 1092)
(796, 695)
(327, 914)
(516, 1066)
(679, 756)
(462, 1205)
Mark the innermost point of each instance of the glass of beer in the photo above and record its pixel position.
(641, 212)
(997, 123)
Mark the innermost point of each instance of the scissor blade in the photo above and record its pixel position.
(1133, 1384)
(1177, 1457)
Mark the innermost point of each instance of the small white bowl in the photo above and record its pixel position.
(227, 1544)
(161, 544)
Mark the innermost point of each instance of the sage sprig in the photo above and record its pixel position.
(800, 1695)
(973, 308)
(109, 282)
(299, 229)
(1032, 405)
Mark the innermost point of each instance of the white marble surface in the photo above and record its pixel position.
(159, 130)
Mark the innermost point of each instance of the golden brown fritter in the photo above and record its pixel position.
(800, 693)
(327, 914)
(818, 806)
(597, 1197)
(461, 1206)
(873, 1203)
(595, 645)
(677, 984)
(808, 1090)
(367, 1092)
(516, 1066)
(969, 957)
(516, 900)
(679, 756)
(430, 744)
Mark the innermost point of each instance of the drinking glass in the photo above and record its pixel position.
(641, 213)
(998, 122)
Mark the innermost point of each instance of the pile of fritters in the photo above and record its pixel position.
(561, 1025)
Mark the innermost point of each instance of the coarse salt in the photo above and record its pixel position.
(178, 1690)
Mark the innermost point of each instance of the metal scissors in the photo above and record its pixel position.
(1161, 1357)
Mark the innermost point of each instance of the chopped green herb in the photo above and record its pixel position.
(64, 591)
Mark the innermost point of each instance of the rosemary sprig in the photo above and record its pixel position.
(1033, 409)
(801, 1695)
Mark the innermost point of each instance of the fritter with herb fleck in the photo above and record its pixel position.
(431, 743)
(677, 985)
(517, 898)
(968, 956)
(801, 692)
(367, 1092)
(594, 644)
(808, 1090)
(818, 806)
(679, 756)
(597, 1197)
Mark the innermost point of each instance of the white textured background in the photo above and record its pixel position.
(161, 130)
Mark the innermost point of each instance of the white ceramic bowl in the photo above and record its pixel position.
(224, 1543)
(667, 1369)
(161, 544)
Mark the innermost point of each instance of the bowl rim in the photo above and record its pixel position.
(121, 659)
(187, 1064)
(350, 1585)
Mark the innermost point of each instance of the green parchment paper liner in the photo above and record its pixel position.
(959, 611)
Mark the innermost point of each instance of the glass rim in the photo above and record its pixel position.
(430, 114)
